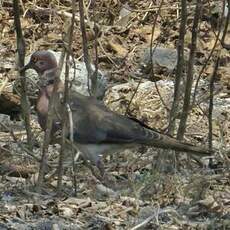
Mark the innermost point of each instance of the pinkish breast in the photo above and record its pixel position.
(42, 108)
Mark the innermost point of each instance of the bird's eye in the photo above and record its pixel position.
(34, 59)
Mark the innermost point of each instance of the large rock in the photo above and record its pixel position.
(163, 59)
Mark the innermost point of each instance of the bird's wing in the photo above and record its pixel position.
(94, 123)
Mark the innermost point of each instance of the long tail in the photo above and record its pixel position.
(163, 141)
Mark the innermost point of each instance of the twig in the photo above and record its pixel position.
(226, 28)
(147, 12)
(87, 61)
(133, 95)
(28, 151)
(25, 105)
(155, 8)
(69, 39)
(94, 28)
(155, 215)
(213, 79)
(179, 68)
(209, 57)
(210, 109)
(74, 157)
(189, 79)
(49, 123)
(95, 73)
(107, 55)
(151, 54)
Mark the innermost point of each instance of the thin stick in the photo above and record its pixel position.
(189, 79)
(69, 39)
(154, 216)
(151, 54)
(209, 56)
(28, 151)
(25, 105)
(87, 61)
(210, 109)
(49, 123)
(179, 68)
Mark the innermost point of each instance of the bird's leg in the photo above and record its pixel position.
(106, 179)
(101, 167)
(96, 169)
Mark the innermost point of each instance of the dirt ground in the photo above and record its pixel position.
(151, 188)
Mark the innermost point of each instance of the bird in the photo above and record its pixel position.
(96, 129)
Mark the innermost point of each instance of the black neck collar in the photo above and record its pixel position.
(50, 82)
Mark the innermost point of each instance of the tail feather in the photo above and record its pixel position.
(163, 141)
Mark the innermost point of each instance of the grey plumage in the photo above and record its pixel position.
(96, 125)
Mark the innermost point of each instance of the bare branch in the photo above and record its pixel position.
(28, 151)
(226, 46)
(209, 56)
(189, 79)
(69, 39)
(87, 61)
(25, 105)
(49, 123)
(179, 69)
(211, 89)
(151, 60)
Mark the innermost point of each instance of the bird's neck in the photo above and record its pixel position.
(47, 90)
(48, 77)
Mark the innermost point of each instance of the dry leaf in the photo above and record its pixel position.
(145, 33)
(116, 45)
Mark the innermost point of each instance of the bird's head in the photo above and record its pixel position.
(44, 63)
(41, 61)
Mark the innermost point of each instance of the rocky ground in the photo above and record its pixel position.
(152, 188)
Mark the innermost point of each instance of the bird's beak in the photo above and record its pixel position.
(26, 67)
